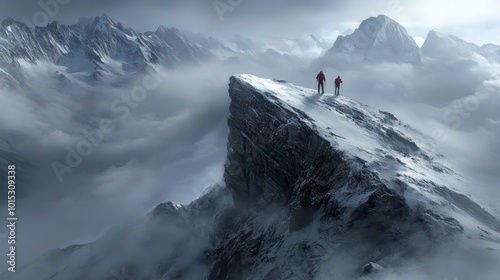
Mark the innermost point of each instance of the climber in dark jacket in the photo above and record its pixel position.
(338, 81)
(321, 81)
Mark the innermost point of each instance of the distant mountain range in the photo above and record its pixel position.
(440, 45)
(382, 39)
(99, 47)
(96, 46)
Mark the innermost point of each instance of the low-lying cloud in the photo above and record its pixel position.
(170, 146)
(103, 156)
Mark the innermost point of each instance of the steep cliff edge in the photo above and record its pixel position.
(286, 141)
(314, 186)
(345, 178)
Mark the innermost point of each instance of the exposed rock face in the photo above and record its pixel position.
(267, 152)
(310, 182)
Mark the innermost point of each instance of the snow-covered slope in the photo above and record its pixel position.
(311, 182)
(401, 156)
(377, 39)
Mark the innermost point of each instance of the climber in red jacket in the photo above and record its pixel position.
(338, 81)
(321, 81)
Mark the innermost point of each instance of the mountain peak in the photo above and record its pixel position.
(161, 28)
(377, 39)
(442, 45)
(164, 29)
(12, 22)
(436, 33)
(8, 21)
(54, 25)
(102, 23)
(105, 18)
(386, 19)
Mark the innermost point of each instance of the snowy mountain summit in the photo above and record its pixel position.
(377, 39)
(315, 187)
(94, 47)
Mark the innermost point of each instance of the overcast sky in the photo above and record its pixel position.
(474, 21)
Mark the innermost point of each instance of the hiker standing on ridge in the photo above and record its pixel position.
(321, 81)
(338, 81)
